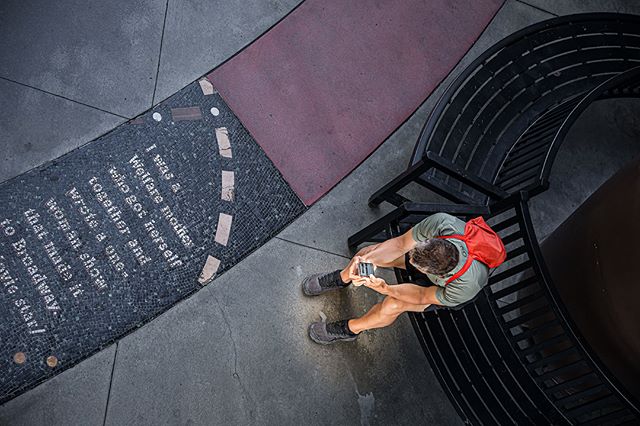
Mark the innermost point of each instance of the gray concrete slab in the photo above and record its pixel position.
(75, 397)
(567, 7)
(36, 127)
(200, 35)
(103, 54)
(238, 353)
(343, 211)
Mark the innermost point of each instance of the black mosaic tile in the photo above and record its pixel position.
(103, 239)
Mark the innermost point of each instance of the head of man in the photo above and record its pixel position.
(434, 256)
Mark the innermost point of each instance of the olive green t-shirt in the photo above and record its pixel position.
(471, 282)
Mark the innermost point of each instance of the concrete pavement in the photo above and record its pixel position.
(74, 70)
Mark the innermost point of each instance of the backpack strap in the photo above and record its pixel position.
(465, 268)
(467, 263)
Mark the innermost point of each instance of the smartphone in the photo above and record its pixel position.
(365, 269)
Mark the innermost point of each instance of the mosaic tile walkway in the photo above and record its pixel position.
(100, 241)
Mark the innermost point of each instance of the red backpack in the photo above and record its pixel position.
(483, 244)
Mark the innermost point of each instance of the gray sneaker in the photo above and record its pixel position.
(317, 284)
(327, 333)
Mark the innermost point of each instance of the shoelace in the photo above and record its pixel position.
(337, 329)
(330, 280)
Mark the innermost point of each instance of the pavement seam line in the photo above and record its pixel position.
(64, 97)
(164, 25)
(113, 368)
(235, 358)
(312, 248)
(537, 7)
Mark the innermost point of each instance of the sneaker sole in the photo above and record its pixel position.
(324, 342)
(307, 292)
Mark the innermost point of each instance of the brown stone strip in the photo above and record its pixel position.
(190, 113)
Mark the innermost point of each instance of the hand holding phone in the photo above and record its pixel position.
(365, 269)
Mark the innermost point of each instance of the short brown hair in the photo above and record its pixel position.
(435, 256)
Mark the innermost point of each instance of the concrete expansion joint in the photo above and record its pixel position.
(65, 98)
(537, 8)
(113, 367)
(164, 25)
(236, 375)
(312, 248)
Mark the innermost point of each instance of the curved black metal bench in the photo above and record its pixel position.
(491, 104)
(529, 162)
(514, 356)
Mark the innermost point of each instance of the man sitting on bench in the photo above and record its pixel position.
(442, 252)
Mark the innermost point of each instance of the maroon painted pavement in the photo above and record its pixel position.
(324, 87)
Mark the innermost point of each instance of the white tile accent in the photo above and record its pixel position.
(224, 144)
(206, 86)
(224, 229)
(209, 271)
(228, 189)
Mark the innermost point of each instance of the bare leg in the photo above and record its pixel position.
(383, 314)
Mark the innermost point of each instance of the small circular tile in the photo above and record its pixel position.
(52, 361)
(19, 358)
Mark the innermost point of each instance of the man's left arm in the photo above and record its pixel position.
(380, 254)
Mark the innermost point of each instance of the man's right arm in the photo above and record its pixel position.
(390, 250)
(386, 252)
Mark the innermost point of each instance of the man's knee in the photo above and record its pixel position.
(391, 306)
